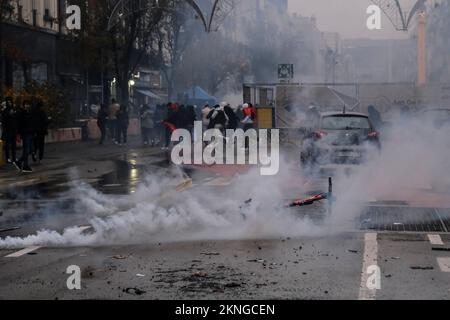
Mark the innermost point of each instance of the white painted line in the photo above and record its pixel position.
(444, 264)
(22, 252)
(370, 260)
(435, 239)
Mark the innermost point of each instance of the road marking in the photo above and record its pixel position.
(444, 264)
(435, 239)
(22, 252)
(369, 260)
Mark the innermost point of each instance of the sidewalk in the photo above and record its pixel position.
(88, 159)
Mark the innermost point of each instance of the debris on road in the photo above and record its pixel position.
(353, 251)
(257, 260)
(210, 253)
(316, 198)
(134, 291)
(140, 275)
(422, 268)
(233, 285)
(120, 257)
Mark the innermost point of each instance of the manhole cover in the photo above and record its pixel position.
(405, 219)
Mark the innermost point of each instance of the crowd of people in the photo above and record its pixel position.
(24, 122)
(158, 123)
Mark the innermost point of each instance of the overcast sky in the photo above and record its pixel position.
(348, 17)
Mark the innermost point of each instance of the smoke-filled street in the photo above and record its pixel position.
(141, 229)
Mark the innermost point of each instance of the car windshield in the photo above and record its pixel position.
(343, 122)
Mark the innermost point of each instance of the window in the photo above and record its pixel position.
(343, 122)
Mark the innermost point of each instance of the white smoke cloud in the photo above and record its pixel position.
(156, 214)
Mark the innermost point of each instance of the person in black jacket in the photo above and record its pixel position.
(9, 130)
(41, 121)
(191, 117)
(26, 126)
(232, 119)
(123, 121)
(102, 122)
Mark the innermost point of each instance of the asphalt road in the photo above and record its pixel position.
(333, 264)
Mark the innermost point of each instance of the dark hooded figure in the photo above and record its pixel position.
(27, 131)
(375, 117)
(191, 117)
(182, 118)
(9, 129)
(123, 121)
(233, 120)
(41, 125)
(102, 122)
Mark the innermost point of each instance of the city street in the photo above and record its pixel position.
(409, 243)
(225, 150)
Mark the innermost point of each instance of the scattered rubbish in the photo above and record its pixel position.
(257, 260)
(120, 257)
(32, 253)
(199, 274)
(395, 258)
(353, 251)
(388, 276)
(311, 200)
(140, 275)
(134, 291)
(233, 285)
(422, 268)
(440, 249)
(210, 253)
(10, 229)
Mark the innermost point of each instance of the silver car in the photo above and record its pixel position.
(340, 138)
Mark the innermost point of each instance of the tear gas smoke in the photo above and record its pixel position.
(412, 164)
(152, 214)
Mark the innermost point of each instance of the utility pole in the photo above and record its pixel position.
(422, 50)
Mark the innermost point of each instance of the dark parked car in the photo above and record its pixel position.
(340, 138)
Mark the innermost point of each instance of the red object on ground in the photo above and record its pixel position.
(308, 201)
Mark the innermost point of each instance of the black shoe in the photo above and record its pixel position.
(27, 169)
